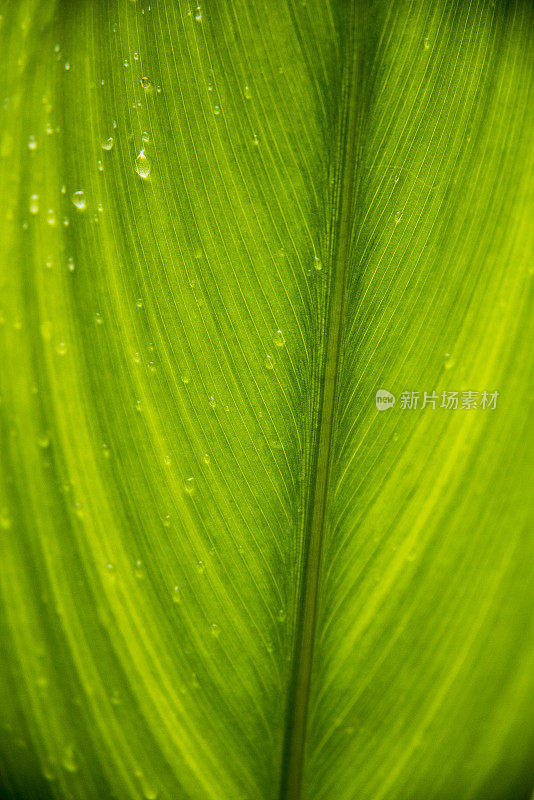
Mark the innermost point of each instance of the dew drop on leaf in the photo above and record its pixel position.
(61, 348)
(176, 595)
(68, 760)
(189, 485)
(78, 198)
(142, 165)
(247, 92)
(449, 361)
(139, 571)
(279, 338)
(318, 264)
(34, 204)
(398, 217)
(32, 144)
(107, 144)
(215, 630)
(268, 362)
(145, 82)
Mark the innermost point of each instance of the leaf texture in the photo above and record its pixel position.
(225, 574)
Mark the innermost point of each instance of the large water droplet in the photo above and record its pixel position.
(145, 82)
(142, 165)
(279, 338)
(68, 761)
(189, 485)
(108, 143)
(78, 198)
(34, 204)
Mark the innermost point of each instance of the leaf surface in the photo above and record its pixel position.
(225, 573)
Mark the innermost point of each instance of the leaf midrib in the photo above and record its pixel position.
(343, 207)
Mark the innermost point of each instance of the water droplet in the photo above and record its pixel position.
(449, 361)
(247, 92)
(78, 198)
(136, 55)
(427, 43)
(318, 264)
(68, 761)
(138, 406)
(43, 440)
(139, 302)
(189, 485)
(51, 217)
(396, 178)
(110, 568)
(186, 378)
(198, 14)
(67, 65)
(115, 698)
(269, 362)
(32, 144)
(176, 595)
(255, 140)
(145, 137)
(206, 458)
(5, 519)
(48, 771)
(99, 166)
(108, 143)
(105, 450)
(167, 460)
(98, 318)
(61, 348)
(126, 63)
(34, 204)
(139, 571)
(66, 222)
(149, 792)
(215, 630)
(145, 82)
(212, 402)
(70, 263)
(398, 217)
(281, 615)
(279, 338)
(142, 165)
(216, 110)
(200, 567)
(166, 521)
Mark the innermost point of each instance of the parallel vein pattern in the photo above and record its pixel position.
(224, 574)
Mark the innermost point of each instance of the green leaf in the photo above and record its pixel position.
(225, 574)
